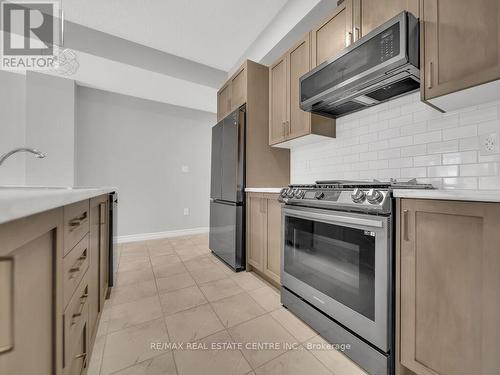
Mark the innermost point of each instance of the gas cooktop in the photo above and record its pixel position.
(363, 196)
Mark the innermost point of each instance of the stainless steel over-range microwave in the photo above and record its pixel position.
(380, 66)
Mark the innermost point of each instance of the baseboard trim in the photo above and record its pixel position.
(158, 235)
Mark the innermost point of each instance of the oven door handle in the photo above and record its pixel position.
(330, 218)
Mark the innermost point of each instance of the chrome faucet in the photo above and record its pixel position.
(38, 154)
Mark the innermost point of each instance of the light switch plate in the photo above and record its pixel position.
(489, 144)
(186, 211)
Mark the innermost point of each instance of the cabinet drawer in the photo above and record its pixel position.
(76, 224)
(75, 264)
(76, 330)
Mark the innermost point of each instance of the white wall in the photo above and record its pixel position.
(140, 147)
(403, 139)
(12, 126)
(50, 127)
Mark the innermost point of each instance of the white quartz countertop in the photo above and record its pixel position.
(263, 190)
(21, 201)
(455, 195)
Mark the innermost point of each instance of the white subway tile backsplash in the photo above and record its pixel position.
(489, 183)
(413, 172)
(479, 115)
(461, 132)
(427, 137)
(442, 147)
(401, 141)
(483, 169)
(400, 163)
(443, 122)
(416, 128)
(427, 160)
(443, 171)
(406, 139)
(414, 150)
(460, 157)
(466, 183)
(471, 143)
(389, 154)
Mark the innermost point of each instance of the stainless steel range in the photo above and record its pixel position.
(337, 265)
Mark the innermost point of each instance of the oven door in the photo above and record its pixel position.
(340, 263)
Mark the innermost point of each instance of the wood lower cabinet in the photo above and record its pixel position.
(263, 235)
(272, 259)
(31, 299)
(256, 230)
(294, 124)
(447, 273)
(51, 288)
(99, 251)
(461, 45)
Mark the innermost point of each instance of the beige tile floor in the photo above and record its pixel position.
(175, 291)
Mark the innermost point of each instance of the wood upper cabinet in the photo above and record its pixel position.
(369, 14)
(224, 101)
(449, 299)
(239, 88)
(256, 230)
(233, 94)
(461, 45)
(332, 35)
(299, 63)
(286, 120)
(278, 100)
(272, 260)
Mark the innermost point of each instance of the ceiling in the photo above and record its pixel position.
(212, 32)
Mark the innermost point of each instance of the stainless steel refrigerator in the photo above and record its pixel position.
(227, 190)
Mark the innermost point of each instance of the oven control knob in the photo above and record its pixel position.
(374, 196)
(300, 194)
(283, 192)
(319, 195)
(291, 193)
(358, 196)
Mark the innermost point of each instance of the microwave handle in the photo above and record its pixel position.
(333, 218)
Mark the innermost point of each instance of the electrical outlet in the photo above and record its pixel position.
(185, 169)
(489, 144)
(186, 211)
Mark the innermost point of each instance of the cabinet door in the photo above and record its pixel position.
(272, 261)
(30, 296)
(103, 251)
(223, 102)
(461, 44)
(332, 35)
(369, 14)
(239, 89)
(449, 287)
(94, 271)
(299, 63)
(256, 230)
(277, 101)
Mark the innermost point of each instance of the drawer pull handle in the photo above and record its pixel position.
(75, 317)
(405, 225)
(75, 269)
(76, 222)
(83, 355)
